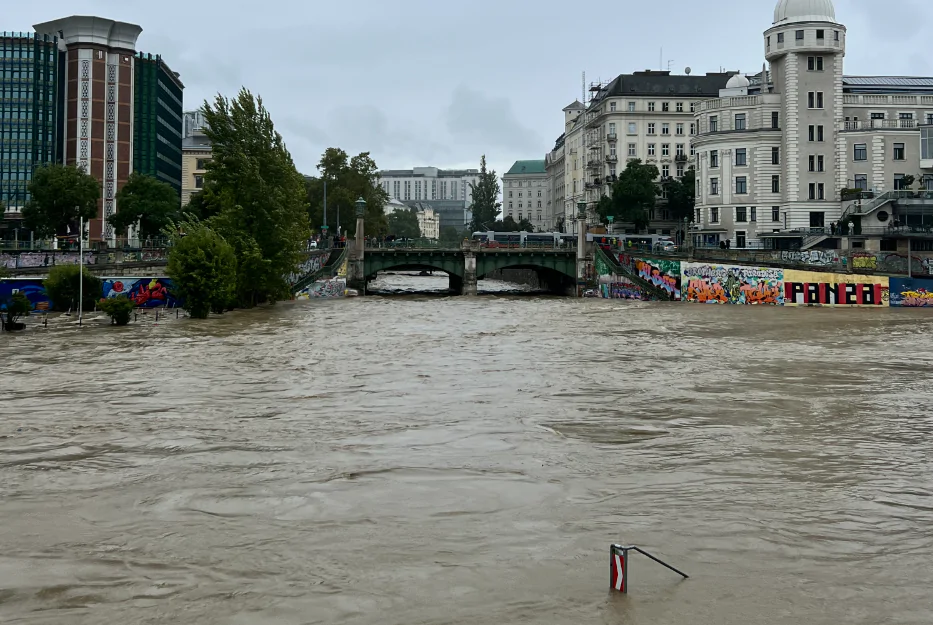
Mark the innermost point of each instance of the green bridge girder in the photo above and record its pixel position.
(561, 261)
(452, 261)
(449, 261)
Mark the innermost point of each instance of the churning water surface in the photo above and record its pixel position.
(424, 460)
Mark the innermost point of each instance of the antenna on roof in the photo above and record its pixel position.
(669, 63)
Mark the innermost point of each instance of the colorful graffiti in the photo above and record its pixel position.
(145, 292)
(664, 274)
(811, 257)
(809, 288)
(733, 284)
(335, 287)
(911, 293)
(311, 264)
(30, 287)
(864, 261)
(31, 260)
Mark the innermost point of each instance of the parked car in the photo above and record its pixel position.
(665, 245)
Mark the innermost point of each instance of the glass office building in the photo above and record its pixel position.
(158, 121)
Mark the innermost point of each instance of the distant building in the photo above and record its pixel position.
(157, 127)
(448, 192)
(194, 123)
(428, 219)
(196, 152)
(554, 166)
(524, 194)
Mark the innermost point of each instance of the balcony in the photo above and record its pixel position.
(611, 137)
(594, 163)
(880, 124)
(874, 100)
(612, 158)
(680, 158)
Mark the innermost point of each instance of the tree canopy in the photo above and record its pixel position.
(348, 179)
(681, 196)
(404, 224)
(486, 205)
(59, 196)
(203, 268)
(633, 195)
(64, 285)
(147, 203)
(451, 235)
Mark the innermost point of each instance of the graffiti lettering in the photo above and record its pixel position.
(335, 287)
(864, 261)
(812, 257)
(910, 292)
(733, 284)
(661, 273)
(835, 294)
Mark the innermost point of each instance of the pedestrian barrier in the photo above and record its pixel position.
(618, 566)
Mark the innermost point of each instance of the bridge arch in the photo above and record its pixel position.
(398, 260)
(545, 263)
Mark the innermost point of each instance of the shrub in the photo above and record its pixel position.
(16, 307)
(119, 308)
(203, 268)
(63, 284)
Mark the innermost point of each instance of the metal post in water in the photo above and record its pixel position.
(81, 269)
(618, 566)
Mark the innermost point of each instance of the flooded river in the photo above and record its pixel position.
(423, 460)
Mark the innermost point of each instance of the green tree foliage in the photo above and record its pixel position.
(204, 269)
(633, 195)
(486, 205)
(64, 283)
(525, 226)
(255, 197)
(145, 202)
(681, 195)
(60, 195)
(452, 236)
(16, 306)
(404, 224)
(119, 308)
(348, 179)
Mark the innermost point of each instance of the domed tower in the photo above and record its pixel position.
(805, 46)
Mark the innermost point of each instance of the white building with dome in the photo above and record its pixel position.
(779, 152)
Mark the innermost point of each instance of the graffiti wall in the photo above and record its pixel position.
(28, 260)
(811, 257)
(664, 274)
(308, 265)
(335, 287)
(911, 292)
(145, 292)
(732, 284)
(810, 288)
(31, 288)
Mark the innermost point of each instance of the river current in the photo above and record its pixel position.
(429, 460)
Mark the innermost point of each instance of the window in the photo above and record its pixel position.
(861, 181)
(780, 37)
(812, 188)
(651, 106)
(665, 129)
(680, 129)
(775, 184)
(199, 182)
(820, 166)
(821, 34)
(680, 107)
(753, 214)
(612, 106)
(666, 107)
(650, 129)
(665, 149)
(740, 215)
(680, 150)
(775, 213)
(699, 215)
(693, 150)
(899, 152)
(631, 149)
(714, 186)
(740, 121)
(811, 136)
(714, 158)
(798, 35)
(680, 171)
(811, 99)
(510, 194)
(713, 123)
(612, 128)
(836, 35)
(812, 163)
(820, 191)
(861, 152)
(741, 159)
(632, 128)
(665, 171)
(714, 215)
(819, 99)
(899, 182)
(811, 63)
(201, 163)
(930, 118)
(693, 107)
(775, 156)
(819, 64)
(819, 132)
(693, 128)
(510, 206)
(775, 120)
(651, 149)
(741, 185)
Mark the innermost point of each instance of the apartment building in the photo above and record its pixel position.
(448, 192)
(525, 192)
(554, 170)
(780, 153)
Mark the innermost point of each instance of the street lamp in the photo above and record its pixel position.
(360, 207)
(610, 219)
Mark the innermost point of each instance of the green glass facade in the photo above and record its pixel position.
(158, 122)
(31, 114)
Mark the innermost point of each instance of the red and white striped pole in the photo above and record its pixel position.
(618, 566)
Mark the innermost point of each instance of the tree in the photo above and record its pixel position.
(404, 224)
(17, 306)
(507, 225)
(635, 194)
(681, 196)
(63, 286)
(450, 235)
(525, 226)
(348, 179)
(147, 203)
(255, 195)
(203, 268)
(486, 205)
(119, 308)
(60, 196)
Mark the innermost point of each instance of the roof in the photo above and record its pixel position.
(661, 83)
(576, 105)
(795, 11)
(887, 84)
(196, 142)
(527, 167)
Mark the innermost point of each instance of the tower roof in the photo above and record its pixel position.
(791, 11)
(93, 30)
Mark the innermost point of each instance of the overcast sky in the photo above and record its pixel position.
(440, 82)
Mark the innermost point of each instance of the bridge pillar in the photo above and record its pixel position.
(581, 248)
(356, 272)
(468, 285)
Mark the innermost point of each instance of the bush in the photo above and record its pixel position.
(16, 307)
(119, 308)
(203, 268)
(63, 284)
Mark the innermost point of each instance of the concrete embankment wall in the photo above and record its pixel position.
(527, 277)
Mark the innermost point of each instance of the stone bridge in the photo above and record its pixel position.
(556, 269)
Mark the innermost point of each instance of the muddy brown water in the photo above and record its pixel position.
(403, 460)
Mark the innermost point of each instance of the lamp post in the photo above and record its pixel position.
(360, 234)
(80, 269)
(324, 225)
(610, 219)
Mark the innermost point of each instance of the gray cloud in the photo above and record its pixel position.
(489, 121)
